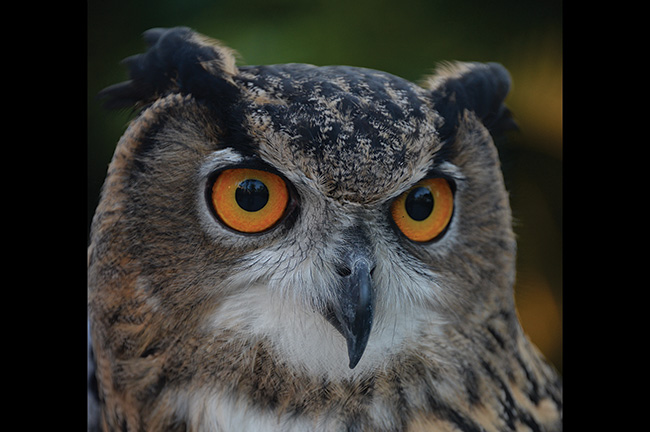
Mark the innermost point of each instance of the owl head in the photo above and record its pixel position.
(335, 212)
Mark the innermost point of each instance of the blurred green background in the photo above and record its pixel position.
(406, 38)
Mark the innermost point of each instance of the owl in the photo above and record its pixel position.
(307, 248)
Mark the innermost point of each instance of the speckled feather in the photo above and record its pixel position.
(197, 328)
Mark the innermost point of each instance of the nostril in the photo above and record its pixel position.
(343, 271)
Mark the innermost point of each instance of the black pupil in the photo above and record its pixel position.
(419, 203)
(252, 195)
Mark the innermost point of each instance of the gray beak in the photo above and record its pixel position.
(352, 315)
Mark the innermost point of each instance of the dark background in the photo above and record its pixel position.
(406, 38)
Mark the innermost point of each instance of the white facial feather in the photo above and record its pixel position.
(275, 302)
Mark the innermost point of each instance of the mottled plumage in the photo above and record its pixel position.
(332, 319)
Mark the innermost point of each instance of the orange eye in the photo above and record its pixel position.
(249, 200)
(424, 211)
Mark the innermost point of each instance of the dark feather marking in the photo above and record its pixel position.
(510, 409)
(497, 337)
(447, 413)
(533, 391)
(404, 409)
(470, 381)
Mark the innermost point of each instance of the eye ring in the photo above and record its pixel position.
(423, 212)
(248, 200)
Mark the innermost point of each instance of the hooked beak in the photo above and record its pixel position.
(353, 314)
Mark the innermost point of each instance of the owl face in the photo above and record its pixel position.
(335, 212)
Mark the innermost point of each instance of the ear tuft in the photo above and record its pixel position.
(178, 60)
(477, 87)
